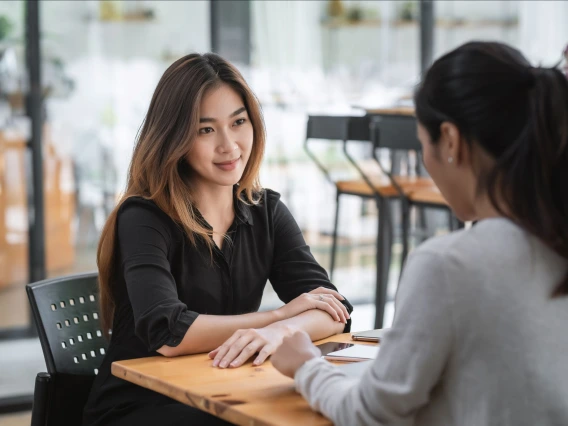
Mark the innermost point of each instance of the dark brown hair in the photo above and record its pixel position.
(519, 115)
(159, 170)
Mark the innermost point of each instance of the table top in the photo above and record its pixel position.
(401, 110)
(246, 395)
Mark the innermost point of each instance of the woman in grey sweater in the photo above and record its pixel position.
(480, 334)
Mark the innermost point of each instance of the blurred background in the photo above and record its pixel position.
(99, 62)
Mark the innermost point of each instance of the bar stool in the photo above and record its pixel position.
(356, 129)
(398, 133)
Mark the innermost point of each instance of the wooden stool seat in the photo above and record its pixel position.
(360, 187)
(429, 195)
(383, 185)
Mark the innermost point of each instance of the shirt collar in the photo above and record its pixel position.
(242, 208)
(243, 215)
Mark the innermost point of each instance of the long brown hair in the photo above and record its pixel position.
(159, 170)
(519, 115)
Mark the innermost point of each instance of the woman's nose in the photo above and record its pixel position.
(226, 144)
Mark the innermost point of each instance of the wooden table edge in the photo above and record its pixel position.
(219, 408)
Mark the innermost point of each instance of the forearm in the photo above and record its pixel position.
(329, 391)
(318, 324)
(210, 331)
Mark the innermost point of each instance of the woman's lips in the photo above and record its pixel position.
(228, 165)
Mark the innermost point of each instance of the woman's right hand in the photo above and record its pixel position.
(321, 298)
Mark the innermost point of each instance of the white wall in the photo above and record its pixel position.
(68, 28)
(476, 10)
(543, 27)
(286, 34)
(72, 30)
(115, 67)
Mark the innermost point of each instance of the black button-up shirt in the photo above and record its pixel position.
(164, 282)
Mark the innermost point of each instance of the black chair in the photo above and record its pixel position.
(66, 314)
(398, 133)
(356, 129)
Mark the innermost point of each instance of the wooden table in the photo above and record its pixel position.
(401, 110)
(247, 395)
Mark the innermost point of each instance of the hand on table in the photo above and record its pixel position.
(245, 343)
(293, 353)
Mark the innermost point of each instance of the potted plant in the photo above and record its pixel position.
(5, 27)
(408, 11)
(335, 9)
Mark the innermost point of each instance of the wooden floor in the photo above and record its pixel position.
(14, 307)
(19, 419)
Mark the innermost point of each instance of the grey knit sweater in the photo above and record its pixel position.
(476, 340)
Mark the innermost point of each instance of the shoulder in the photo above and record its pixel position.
(432, 274)
(443, 246)
(134, 206)
(439, 260)
(270, 211)
(490, 240)
(445, 256)
(270, 197)
(267, 201)
(138, 211)
(493, 254)
(275, 207)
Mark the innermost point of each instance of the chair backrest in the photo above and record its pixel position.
(341, 128)
(327, 127)
(359, 129)
(394, 132)
(66, 314)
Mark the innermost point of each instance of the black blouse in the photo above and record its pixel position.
(166, 282)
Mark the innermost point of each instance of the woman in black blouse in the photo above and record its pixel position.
(184, 258)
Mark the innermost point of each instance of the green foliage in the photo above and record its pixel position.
(5, 27)
(408, 11)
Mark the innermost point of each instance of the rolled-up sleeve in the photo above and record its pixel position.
(294, 269)
(160, 318)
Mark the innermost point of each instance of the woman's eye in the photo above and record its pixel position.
(205, 130)
(240, 121)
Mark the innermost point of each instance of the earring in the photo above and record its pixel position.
(450, 160)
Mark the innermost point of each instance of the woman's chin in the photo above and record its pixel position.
(229, 180)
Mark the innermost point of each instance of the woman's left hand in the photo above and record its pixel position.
(245, 343)
(293, 353)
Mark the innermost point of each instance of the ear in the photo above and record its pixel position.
(454, 149)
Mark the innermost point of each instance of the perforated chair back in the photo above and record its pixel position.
(66, 313)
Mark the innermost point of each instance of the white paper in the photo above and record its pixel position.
(357, 351)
